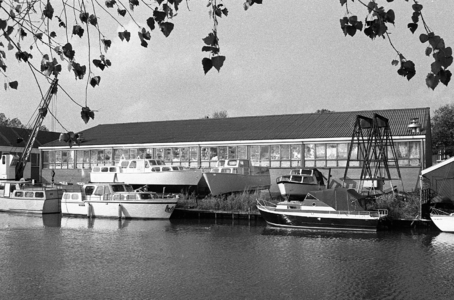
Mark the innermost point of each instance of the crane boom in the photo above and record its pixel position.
(42, 112)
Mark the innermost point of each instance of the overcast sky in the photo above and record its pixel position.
(282, 57)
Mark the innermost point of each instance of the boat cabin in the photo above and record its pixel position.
(237, 166)
(106, 192)
(138, 166)
(28, 190)
(306, 176)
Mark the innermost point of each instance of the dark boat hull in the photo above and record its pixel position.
(319, 221)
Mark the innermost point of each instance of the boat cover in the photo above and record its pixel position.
(342, 199)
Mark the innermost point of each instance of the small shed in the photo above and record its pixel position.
(440, 179)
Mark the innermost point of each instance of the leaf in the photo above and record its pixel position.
(93, 20)
(395, 62)
(351, 30)
(423, 37)
(159, 16)
(210, 40)
(68, 51)
(78, 30)
(107, 44)
(13, 85)
(432, 81)
(98, 63)
(218, 62)
(445, 76)
(417, 7)
(342, 2)
(166, 28)
(207, 64)
(151, 23)
(3, 24)
(435, 67)
(83, 17)
(125, 35)
(86, 114)
(390, 16)
(48, 10)
(412, 27)
(95, 81)
(121, 12)
(110, 3)
(428, 51)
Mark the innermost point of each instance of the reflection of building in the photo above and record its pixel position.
(13, 140)
(279, 142)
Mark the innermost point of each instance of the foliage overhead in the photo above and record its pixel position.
(443, 128)
(376, 23)
(15, 123)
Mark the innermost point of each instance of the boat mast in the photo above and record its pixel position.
(42, 112)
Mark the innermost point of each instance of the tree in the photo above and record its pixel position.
(45, 35)
(16, 123)
(443, 129)
(219, 114)
(323, 110)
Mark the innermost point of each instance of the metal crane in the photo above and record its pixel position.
(42, 112)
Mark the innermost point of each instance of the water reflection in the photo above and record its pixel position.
(319, 233)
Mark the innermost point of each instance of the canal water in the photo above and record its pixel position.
(53, 257)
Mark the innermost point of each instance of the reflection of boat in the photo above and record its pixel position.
(116, 200)
(104, 224)
(151, 172)
(26, 197)
(442, 219)
(300, 182)
(328, 209)
(236, 175)
(28, 221)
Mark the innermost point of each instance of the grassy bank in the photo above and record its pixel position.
(398, 207)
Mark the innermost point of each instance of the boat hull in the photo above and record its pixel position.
(443, 222)
(177, 178)
(38, 206)
(319, 220)
(223, 183)
(156, 209)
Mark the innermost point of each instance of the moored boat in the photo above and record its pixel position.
(236, 175)
(116, 200)
(338, 209)
(27, 197)
(150, 172)
(442, 219)
(299, 182)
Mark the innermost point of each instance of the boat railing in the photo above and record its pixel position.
(263, 202)
(436, 211)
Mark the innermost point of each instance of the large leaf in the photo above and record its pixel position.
(48, 10)
(207, 64)
(13, 85)
(166, 28)
(218, 62)
(95, 81)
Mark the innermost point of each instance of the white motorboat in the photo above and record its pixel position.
(236, 175)
(27, 197)
(151, 172)
(442, 219)
(116, 200)
(299, 182)
(338, 209)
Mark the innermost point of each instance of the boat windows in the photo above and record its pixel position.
(112, 169)
(147, 165)
(297, 178)
(99, 191)
(132, 164)
(19, 194)
(74, 196)
(96, 169)
(155, 169)
(226, 170)
(104, 169)
(124, 164)
(307, 179)
(39, 195)
(28, 194)
(118, 188)
(89, 190)
(146, 196)
(165, 169)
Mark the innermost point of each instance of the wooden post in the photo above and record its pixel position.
(88, 210)
(119, 210)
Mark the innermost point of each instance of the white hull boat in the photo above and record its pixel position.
(146, 172)
(25, 197)
(236, 175)
(443, 220)
(116, 200)
(299, 183)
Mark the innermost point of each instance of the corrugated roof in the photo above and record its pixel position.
(9, 136)
(294, 126)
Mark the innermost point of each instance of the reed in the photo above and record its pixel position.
(245, 201)
(400, 207)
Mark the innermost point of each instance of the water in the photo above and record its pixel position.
(69, 258)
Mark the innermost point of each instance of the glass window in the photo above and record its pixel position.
(309, 151)
(255, 153)
(342, 151)
(296, 152)
(222, 152)
(320, 151)
(184, 153)
(213, 153)
(149, 153)
(194, 153)
(205, 155)
(285, 152)
(264, 152)
(275, 153)
(133, 154)
(141, 153)
(160, 153)
(331, 151)
(176, 155)
(232, 153)
(167, 154)
(242, 152)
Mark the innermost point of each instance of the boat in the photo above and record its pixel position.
(442, 219)
(116, 200)
(330, 209)
(299, 182)
(28, 197)
(236, 175)
(153, 173)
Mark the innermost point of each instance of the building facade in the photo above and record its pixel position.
(280, 142)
